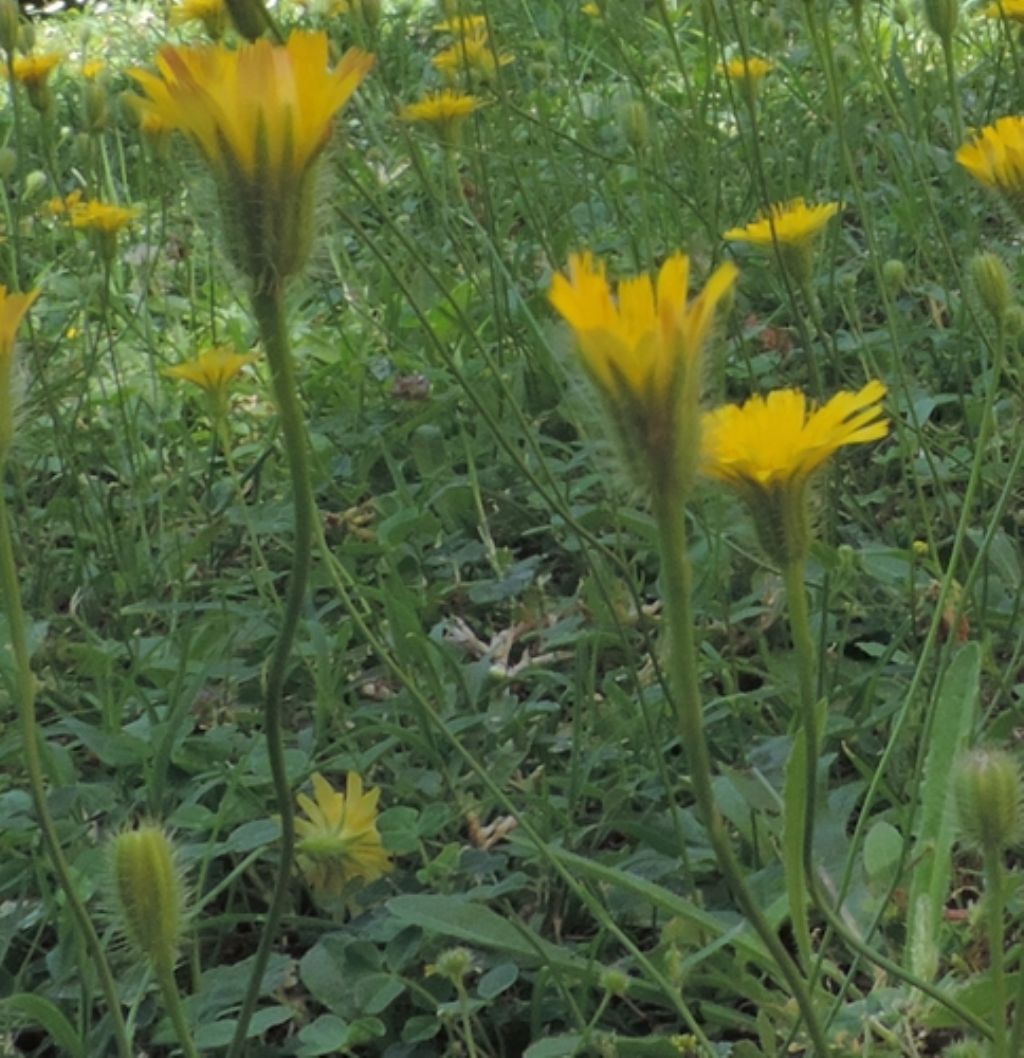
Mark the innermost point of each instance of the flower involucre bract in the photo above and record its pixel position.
(770, 447)
(339, 841)
(995, 157)
(260, 115)
(643, 348)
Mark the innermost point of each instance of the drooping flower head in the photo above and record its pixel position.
(445, 111)
(792, 227)
(643, 348)
(995, 157)
(260, 115)
(12, 311)
(769, 449)
(339, 841)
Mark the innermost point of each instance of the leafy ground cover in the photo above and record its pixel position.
(488, 638)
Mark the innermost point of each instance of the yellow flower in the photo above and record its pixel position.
(339, 841)
(770, 447)
(445, 110)
(1009, 9)
(260, 115)
(34, 70)
(791, 227)
(212, 13)
(12, 311)
(463, 25)
(643, 349)
(212, 371)
(62, 203)
(746, 74)
(995, 157)
(471, 55)
(794, 223)
(93, 68)
(100, 217)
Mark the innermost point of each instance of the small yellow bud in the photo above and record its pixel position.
(989, 792)
(149, 892)
(614, 981)
(921, 548)
(991, 281)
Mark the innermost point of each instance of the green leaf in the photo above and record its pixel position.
(497, 980)
(35, 1010)
(950, 727)
(328, 1033)
(882, 847)
(554, 1046)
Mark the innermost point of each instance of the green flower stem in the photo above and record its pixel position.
(677, 578)
(995, 897)
(954, 95)
(26, 695)
(268, 306)
(164, 971)
(803, 644)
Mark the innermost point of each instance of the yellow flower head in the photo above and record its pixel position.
(592, 9)
(443, 106)
(339, 841)
(261, 112)
(769, 448)
(643, 347)
(212, 371)
(794, 223)
(62, 203)
(1013, 10)
(471, 55)
(463, 25)
(100, 217)
(212, 13)
(995, 157)
(748, 72)
(93, 68)
(34, 70)
(260, 115)
(12, 311)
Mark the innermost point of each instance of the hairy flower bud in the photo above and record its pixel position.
(149, 892)
(989, 795)
(991, 281)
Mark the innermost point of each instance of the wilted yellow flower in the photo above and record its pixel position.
(470, 55)
(769, 448)
(100, 216)
(463, 25)
(339, 841)
(34, 70)
(212, 13)
(792, 227)
(12, 311)
(260, 115)
(1009, 9)
(643, 347)
(995, 157)
(212, 371)
(93, 68)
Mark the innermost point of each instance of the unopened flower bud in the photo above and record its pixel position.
(989, 793)
(991, 280)
(634, 124)
(900, 14)
(10, 20)
(97, 110)
(894, 275)
(614, 981)
(8, 162)
(1013, 321)
(942, 16)
(149, 892)
(454, 964)
(250, 17)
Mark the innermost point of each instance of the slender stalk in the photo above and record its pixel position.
(25, 690)
(268, 306)
(677, 581)
(954, 95)
(803, 644)
(995, 897)
(175, 1011)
